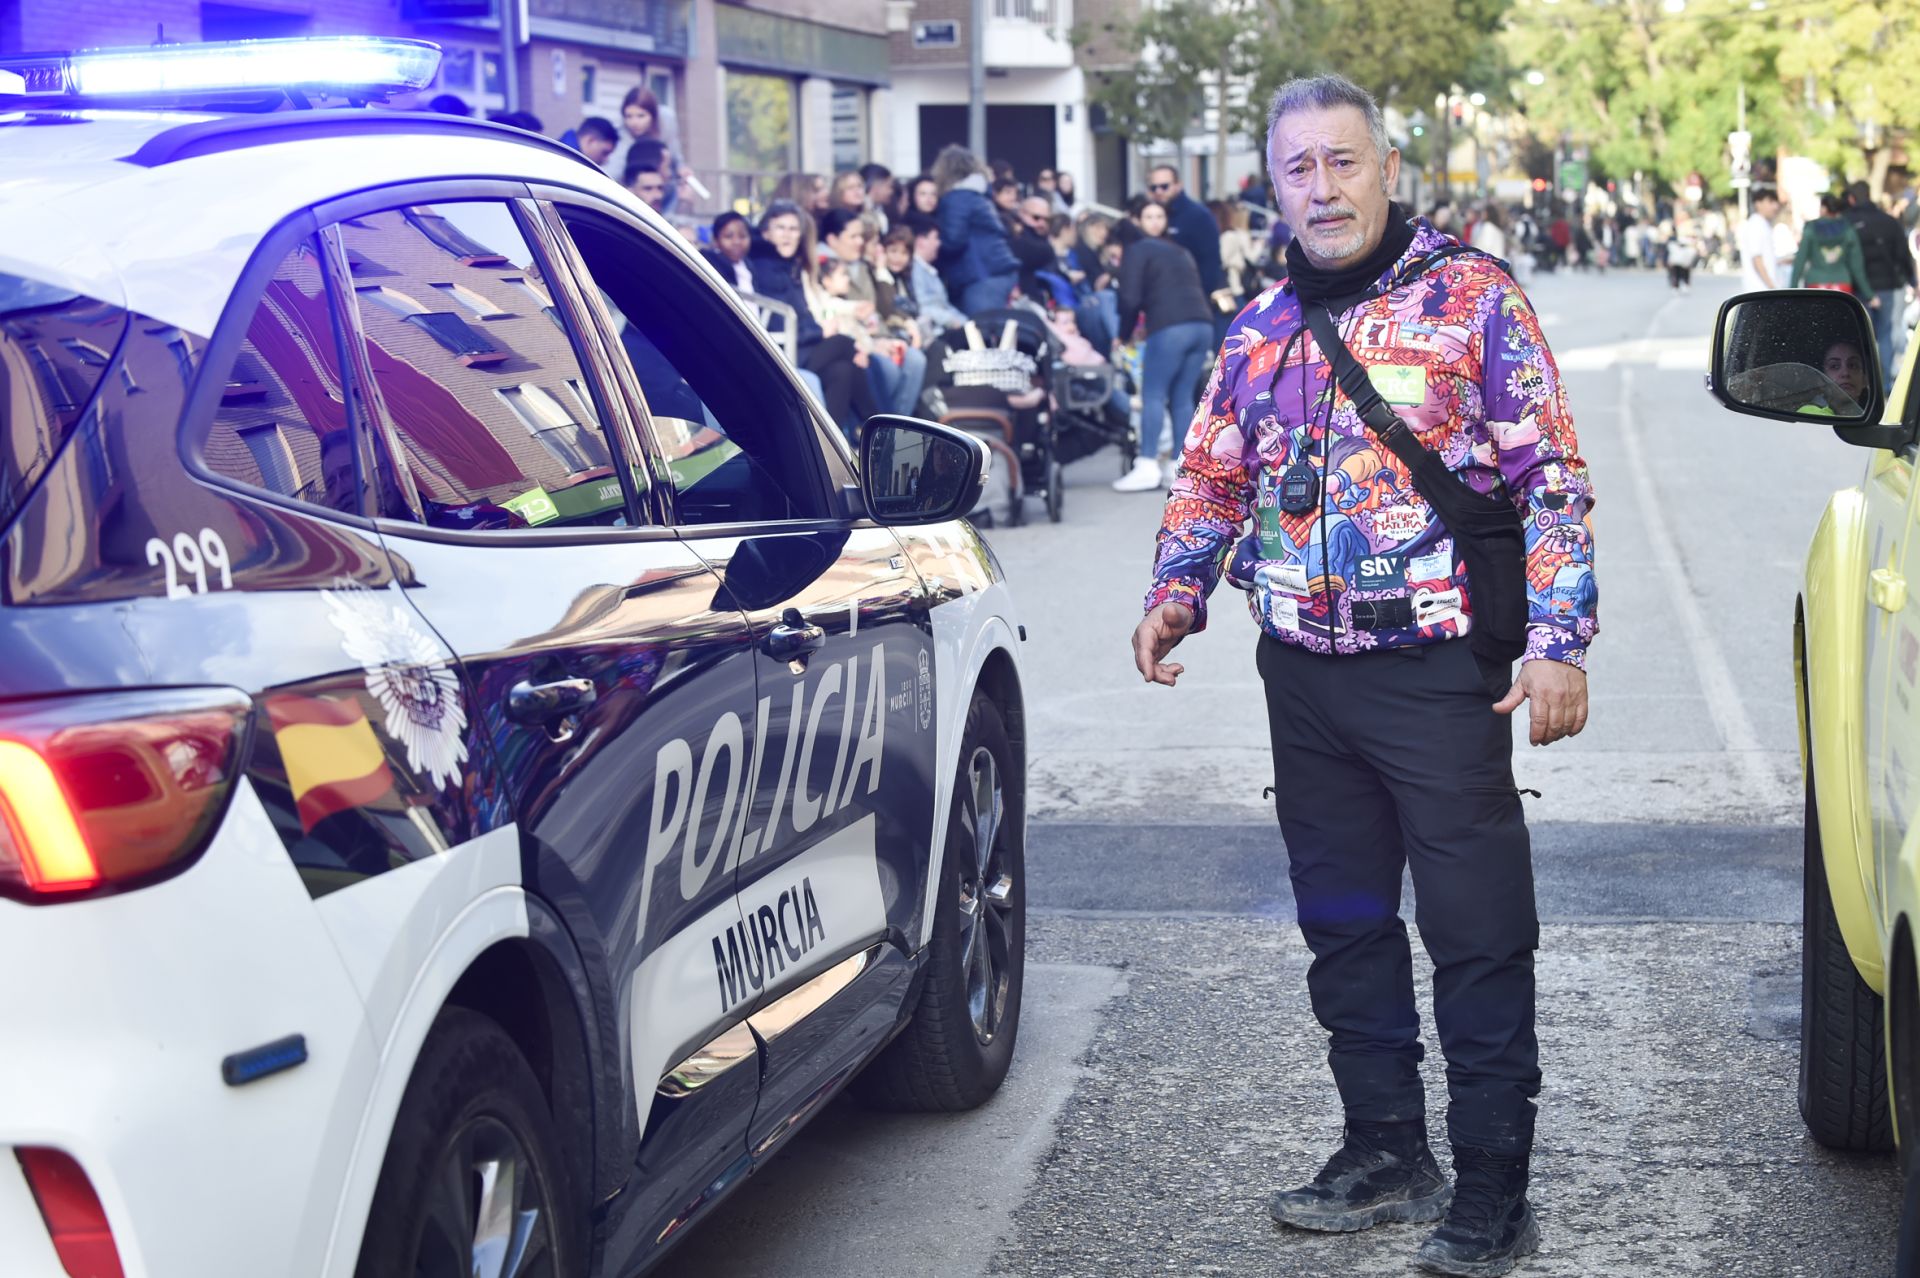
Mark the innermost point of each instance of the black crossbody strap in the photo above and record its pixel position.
(1353, 379)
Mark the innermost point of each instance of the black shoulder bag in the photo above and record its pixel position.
(1487, 529)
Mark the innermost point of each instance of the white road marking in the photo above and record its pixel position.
(1724, 704)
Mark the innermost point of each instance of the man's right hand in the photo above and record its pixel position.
(1155, 637)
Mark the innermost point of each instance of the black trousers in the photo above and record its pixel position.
(1395, 759)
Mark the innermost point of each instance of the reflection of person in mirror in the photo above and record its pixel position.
(935, 484)
(1846, 369)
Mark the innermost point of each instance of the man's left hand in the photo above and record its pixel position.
(1558, 692)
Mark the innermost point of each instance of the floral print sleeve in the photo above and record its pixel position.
(1211, 497)
(1538, 456)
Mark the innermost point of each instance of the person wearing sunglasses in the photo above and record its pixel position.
(1188, 224)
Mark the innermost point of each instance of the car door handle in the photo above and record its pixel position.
(535, 703)
(1887, 589)
(793, 637)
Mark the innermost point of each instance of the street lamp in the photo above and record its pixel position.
(1536, 78)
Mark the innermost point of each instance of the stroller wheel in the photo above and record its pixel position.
(1056, 491)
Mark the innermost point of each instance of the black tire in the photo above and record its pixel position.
(941, 1061)
(1056, 491)
(1843, 1071)
(472, 1102)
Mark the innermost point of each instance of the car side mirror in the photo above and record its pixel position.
(1802, 355)
(915, 472)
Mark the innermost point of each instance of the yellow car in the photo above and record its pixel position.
(1810, 356)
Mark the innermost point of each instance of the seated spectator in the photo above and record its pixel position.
(900, 371)
(596, 139)
(923, 196)
(937, 311)
(644, 153)
(518, 120)
(1033, 249)
(651, 186)
(1005, 194)
(779, 260)
(732, 241)
(850, 191)
(880, 193)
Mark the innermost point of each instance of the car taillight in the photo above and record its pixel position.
(111, 790)
(75, 1221)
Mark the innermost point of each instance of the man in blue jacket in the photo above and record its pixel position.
(1188, 224)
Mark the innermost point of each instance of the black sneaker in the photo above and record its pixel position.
(1383, 1172)
(1490, 1225)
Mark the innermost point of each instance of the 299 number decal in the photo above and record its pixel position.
(192, 556)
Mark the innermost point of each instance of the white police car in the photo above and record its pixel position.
(480, 765)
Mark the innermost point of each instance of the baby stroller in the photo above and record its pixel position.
(1001, 378)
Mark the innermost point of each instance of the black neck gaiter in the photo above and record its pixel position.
(1319, 284)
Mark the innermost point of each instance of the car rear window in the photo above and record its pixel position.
(55, 348)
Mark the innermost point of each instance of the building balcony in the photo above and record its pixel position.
(1029, 33)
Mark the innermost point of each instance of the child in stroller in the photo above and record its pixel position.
(1027, 388)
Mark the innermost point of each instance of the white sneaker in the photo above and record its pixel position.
(1168, 469)
(1143, 478)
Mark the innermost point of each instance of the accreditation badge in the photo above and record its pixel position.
(1400, 383)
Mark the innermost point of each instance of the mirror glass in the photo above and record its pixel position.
(1806, 353)
(912, 474)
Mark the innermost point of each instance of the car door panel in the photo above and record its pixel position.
(833, 852)
(1890, 514)
(597, 653)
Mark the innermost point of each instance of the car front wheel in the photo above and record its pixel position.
(955, 1052)
(473, 1183)
(1843, 1072)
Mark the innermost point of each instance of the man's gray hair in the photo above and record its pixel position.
(1320, 92)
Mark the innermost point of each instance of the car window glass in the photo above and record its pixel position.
(281, 422)
(732, 427)
(474, 368)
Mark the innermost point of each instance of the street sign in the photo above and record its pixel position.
(1573, 175)
(943, 34)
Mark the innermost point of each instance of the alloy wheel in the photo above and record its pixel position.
(986, 897)
(488, 1214)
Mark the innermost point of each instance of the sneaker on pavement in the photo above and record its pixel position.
(1169, 467)
(1383, 1172)
(1144, 477)
(1490, 1225)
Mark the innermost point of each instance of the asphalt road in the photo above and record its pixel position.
(1170, 1074)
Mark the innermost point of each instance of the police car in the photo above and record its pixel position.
(481, 765)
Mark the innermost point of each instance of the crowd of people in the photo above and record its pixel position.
(876, 269)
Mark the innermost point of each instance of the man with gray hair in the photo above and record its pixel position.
(1415, 532)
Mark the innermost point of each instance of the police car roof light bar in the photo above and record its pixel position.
(361, 65)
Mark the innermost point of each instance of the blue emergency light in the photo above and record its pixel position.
(353, 65)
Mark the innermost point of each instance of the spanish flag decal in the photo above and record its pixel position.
(333, 760)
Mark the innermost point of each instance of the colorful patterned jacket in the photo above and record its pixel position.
(1458, 353)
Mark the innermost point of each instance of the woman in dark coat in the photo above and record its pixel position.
(1160, 285)
(779, 260)
(976, 249)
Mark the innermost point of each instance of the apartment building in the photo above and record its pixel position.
(1036, 88)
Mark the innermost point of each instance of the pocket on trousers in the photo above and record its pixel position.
(1496, 675)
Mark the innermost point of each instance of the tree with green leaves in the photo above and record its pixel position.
(1407, 55)
(1652, 86)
